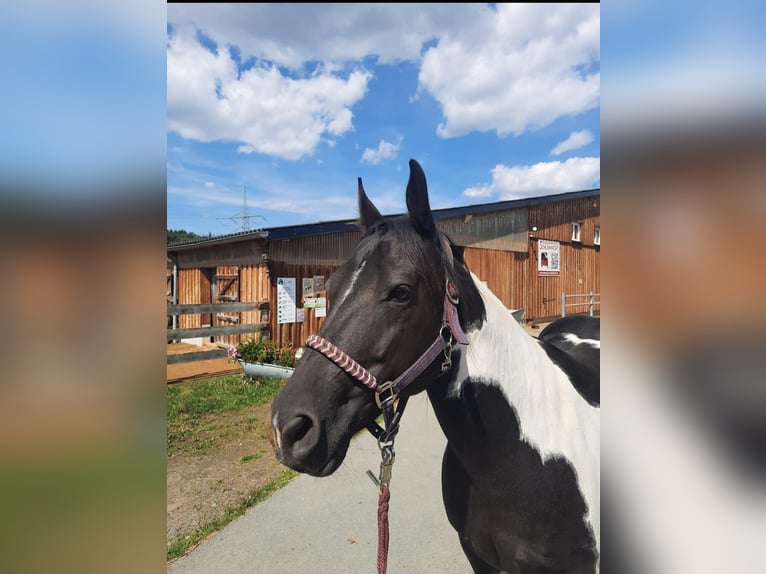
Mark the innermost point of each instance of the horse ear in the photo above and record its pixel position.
(417, 201)
(368, 213)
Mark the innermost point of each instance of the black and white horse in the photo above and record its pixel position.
(520, 474)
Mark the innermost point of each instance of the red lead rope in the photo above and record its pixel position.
(385, 496)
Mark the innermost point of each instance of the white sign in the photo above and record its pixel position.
(548, 260)
(285, 300)
(321, 307)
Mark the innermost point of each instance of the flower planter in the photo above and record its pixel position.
(265, 370)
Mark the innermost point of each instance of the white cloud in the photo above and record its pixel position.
(507, 68)
(293, 34)
(262, 109)
(575, 140)
(518, 182)
(385, 150)
(517, 68)
(209, 184)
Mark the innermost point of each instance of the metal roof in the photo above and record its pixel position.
(322, 227)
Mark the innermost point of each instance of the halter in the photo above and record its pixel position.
(387, 393)
(386, 396)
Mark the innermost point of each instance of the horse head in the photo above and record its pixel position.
(387, 306)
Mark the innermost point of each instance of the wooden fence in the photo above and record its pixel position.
(224, 309)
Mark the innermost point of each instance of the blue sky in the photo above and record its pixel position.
(297, 101)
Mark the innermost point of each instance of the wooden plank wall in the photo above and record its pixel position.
(503, 271)
(189, 281)
(579, 264)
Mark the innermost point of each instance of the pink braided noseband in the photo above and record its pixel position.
(343, 361)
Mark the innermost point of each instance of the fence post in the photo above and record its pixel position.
(563, 304)
(591, 303)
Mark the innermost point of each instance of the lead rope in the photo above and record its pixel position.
(387, 461)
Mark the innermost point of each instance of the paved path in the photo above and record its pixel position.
(329, 525)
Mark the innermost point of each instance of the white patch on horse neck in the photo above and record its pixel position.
(553, 418)
(354, 277)
(575, 340)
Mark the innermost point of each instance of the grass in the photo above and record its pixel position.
(181, 545)
(191, 428)
(189, 405)
(194, 399)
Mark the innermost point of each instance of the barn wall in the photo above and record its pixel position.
(579, 264)
(302, 258)
(502, 230)
(579, 274)
(508, 265)
(503, 271)
(189, 281)
(244, 252)
(554, 220)
(330, 249)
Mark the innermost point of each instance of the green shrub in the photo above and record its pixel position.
(265, 351)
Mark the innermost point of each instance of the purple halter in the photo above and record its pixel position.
(387, 392)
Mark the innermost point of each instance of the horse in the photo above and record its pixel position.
(520, 471)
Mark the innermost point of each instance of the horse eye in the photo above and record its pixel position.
(400, 293)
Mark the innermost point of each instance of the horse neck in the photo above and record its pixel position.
(552, 417)
(501, 352)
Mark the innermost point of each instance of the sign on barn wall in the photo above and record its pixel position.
(321, 307)
(548, 260)
(285, 300)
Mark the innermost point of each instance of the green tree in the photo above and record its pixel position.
(177, 235)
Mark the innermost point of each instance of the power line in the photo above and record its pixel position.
(245, 216)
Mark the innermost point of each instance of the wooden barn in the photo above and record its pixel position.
(530, 252)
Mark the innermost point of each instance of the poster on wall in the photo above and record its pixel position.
(321, 307)
(548, 257)
(318, 284)
(285, 300)
(308, 287)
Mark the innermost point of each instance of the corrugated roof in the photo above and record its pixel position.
(322, 227)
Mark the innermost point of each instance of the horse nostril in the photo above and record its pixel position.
(300, 434)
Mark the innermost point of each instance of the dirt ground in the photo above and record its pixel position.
(200, 487)
(204, 481)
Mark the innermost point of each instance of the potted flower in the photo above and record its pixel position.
(264, 358)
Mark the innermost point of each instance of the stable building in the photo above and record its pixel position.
(540, 255)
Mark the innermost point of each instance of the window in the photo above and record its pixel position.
(575, 232)
(597, 236)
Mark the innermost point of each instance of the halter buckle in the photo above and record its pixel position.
(385, 403)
